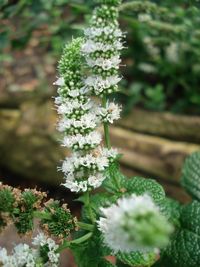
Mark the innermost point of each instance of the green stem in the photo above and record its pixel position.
(106, 126)
(85, 226)
(42, 215)
(87, 204)
(67, 244)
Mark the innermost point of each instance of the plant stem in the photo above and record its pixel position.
(67, 244)
(106, 126)
(42, 215)
(87, 204)
(85, 226)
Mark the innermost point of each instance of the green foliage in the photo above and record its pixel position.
(184, 249)
(138, 259)
(163, 55)
(140, 186)
(60, 221)
(191, 175)
(171, 209)
(114, 181)
(41, 18)
(118, 184)
(96, 202)
(90, 253)
(105, 263)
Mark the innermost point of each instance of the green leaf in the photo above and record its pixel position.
(114, 179)
(140, 186)
(191, 175)
(171, 209)
(138, 259)
(91, 253)
(184, 249)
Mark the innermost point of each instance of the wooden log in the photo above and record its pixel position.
(156, 156)
(178, 127)
(29, 143)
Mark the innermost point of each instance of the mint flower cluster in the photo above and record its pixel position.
(24, 255)
(80, 115)
(134, 224)
(132, 218)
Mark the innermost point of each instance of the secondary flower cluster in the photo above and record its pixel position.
(80, 116)
(134, 224)
(42, 254)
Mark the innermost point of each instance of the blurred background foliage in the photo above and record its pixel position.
(163, 50)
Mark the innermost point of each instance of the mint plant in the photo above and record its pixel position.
(129, 218)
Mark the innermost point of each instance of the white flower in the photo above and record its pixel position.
(71, 105)
(96, 180)
(95, 160)
(60, 82)
(99, 84)
(76, 186)
(110, 113)
(53, 257)
(106, 64)
(109, 152)
(91, 46)
(123, 225)
(4, 258)
(21, 256)
(93, 32)
(80, 141)
(87, 121)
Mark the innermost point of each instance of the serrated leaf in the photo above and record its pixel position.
(171, 209)
(191, 175)
(190, 217)
(184, 249)
(140, 186)
(138, 259)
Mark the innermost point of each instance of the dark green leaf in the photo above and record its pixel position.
(191, 175)
(140, 186)
(184, 249)
(138, 259)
